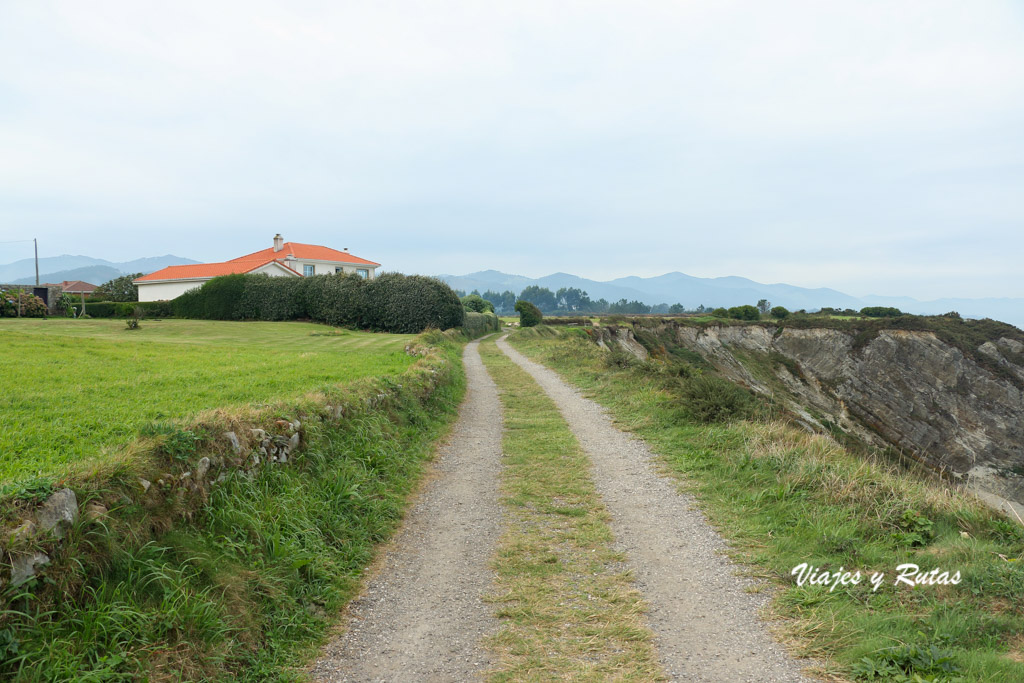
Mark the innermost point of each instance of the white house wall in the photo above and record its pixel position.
(328, 268)
(164, 291)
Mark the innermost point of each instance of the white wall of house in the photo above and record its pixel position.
(330, 267)
(163, 291)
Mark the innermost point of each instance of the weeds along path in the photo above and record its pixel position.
(706, 626)
(422, 617)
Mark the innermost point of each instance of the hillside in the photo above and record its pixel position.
(85, 268)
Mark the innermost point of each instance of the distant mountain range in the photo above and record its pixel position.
(85, 268)
(733, 291)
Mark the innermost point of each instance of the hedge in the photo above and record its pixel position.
(125, 309)
(389, 303)
(479, 324)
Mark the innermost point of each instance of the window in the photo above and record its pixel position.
(308, 270)
(362, 272)
(338, 269)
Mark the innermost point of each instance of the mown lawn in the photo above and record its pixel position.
(78, 390)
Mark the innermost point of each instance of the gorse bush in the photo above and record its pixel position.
(709, 398)
(397, 303)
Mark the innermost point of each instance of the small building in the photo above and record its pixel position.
(283, 259)
(75, 287)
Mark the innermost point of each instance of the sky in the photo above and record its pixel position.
(876, 147)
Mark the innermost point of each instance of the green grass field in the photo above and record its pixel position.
(79, 390)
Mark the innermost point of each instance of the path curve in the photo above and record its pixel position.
(706, 627)
(421, 616)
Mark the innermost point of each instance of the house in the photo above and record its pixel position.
(73, 287)
(283, 259)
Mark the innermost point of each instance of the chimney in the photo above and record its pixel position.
(346, 249)
(278, 242)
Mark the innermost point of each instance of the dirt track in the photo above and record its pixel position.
(707, 628)
(421, 617)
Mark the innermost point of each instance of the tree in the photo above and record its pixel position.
(529, 314)
(764, 306)
(541, 297)
(676, 309)
(572, 299)
(780, 312)
(744, 313)
(720, 313)
(624, 306)
(477, 304)
(119, 289)
(503, 302)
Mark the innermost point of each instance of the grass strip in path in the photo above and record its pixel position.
(568, 604)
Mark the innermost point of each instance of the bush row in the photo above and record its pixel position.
(479, 324)
(390, 303)
(567, 320)
(126, 309)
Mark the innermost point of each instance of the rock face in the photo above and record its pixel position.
(905, 389)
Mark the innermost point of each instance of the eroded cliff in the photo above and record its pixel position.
(952, 404)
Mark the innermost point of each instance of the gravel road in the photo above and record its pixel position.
(421, 617)
(706, 627)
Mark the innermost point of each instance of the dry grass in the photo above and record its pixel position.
(567, 601)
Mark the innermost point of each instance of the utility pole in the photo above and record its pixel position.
(36, 243)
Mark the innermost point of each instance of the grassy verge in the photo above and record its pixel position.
(240, 581)
(568, 607)
(784, 497)
(75, 392)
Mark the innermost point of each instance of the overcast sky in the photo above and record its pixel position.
(874, 147)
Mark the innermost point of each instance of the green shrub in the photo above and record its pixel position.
(119, 289)
(720, 313)
(410, 304)
(390, 303)
(744, 313)
(477, 304)
(881, 312)
(709, 398)
(31, 305)
(102, 309)
(780, 312)
(272, 298)
(217, 299)
(529, 315)
(156, 309)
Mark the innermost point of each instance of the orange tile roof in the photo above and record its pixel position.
(77, 286)
(208, 270)
(306, 251)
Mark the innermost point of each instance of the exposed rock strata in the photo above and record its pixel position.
(905, 389)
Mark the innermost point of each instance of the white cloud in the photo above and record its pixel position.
(642, 133)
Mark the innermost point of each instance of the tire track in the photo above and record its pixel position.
(421, 616)
(706, 627)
